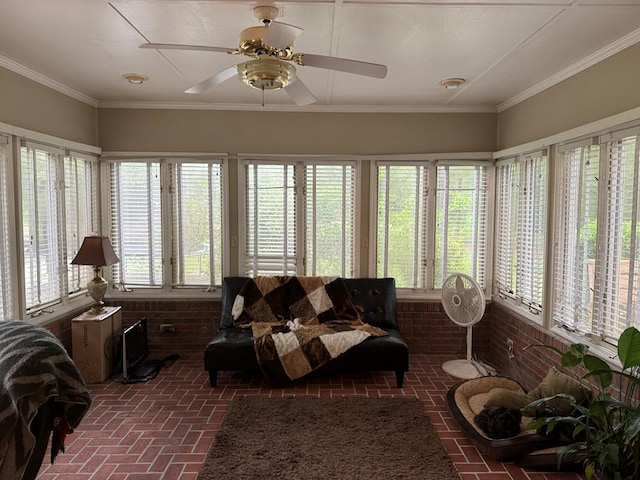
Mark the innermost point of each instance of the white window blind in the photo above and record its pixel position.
(618, 267)
(42, 225)
(461, 222)
(300, 218)
(521, 219)
(402, 223)
(330, 219)
(59, 208)
(136, 223)
(81, 213)
(6, 276)
(196, 206)
(271, 219)
(576, 225)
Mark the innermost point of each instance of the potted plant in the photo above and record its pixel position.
(605, 434)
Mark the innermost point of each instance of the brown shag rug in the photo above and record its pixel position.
(327, 438)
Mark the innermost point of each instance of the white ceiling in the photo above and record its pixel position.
(506, 50)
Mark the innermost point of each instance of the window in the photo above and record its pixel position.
(58, 211)
(457, 228)
(401, 249)
(196, 216)
(192, 232)
(597, 252)
(521, 224)
(300, 218)
(461, 222)
(6, 277)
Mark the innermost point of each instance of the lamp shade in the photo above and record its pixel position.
(96, 251)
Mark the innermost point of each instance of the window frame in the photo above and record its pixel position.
(518, 300)
(431, 161)
(600, 288)
(300, 204)
(56, 163)
(166, 289)
(9, 289)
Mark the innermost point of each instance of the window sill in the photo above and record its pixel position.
(602, 350)
(59, 311)
(165, 294)
(519, 309)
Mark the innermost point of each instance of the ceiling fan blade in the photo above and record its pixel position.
(299, 92)
(177, 46)
(344, 65)
(213, 81)
(281, 35)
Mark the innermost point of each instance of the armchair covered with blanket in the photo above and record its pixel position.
(42, 392)
(288, 327)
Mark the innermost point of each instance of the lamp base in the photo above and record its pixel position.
(97, 287)
(97, 309)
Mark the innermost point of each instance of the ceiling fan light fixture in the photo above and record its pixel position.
(452, 83)
(266, 13)
(267, 73)
(135, 78)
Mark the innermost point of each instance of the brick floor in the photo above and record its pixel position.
(163, 429)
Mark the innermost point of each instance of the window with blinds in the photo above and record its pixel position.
(460, 222)
(576, 225)
(58, 211)
(300, 218)
(196, 216)
(521, 228)
(6, 277)
(136, 223)
(597, 272)
(420, 249)
(330, 207)
(401, 223)
(618, 267)
(81, 213)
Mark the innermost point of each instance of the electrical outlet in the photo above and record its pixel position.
(167, 328)
(510, 350)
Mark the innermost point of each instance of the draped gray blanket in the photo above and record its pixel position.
(34, 367)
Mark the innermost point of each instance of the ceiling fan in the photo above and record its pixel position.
(270, 46)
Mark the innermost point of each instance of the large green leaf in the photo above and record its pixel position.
(574, 355)
(629, 348)
(598, 369)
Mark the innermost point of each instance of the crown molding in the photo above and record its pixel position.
(291, 108)
(600, 55)
(46, 81)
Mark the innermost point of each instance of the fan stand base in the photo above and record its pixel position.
(461, 369)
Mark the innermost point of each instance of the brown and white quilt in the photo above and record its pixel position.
(299, 323)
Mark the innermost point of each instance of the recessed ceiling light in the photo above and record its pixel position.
(452, 83)
(135, 78)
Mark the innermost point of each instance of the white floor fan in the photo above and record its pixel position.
(463, 302)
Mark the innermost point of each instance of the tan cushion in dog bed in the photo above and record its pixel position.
(466, 399)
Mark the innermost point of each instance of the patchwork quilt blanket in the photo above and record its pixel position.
(299, 323)
(34, 367)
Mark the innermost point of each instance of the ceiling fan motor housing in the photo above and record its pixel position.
(267, 73)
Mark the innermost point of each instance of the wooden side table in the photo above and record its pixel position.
(94, 343)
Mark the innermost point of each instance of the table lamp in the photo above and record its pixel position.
(96, 251)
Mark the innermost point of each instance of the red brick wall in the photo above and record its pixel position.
(424, 325)
(194, 321)
(427, 329)
(528, 366)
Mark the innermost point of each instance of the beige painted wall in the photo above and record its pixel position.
(294, 133)
(605, 89)
(30, 105)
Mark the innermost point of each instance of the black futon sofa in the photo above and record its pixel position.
(232, 348)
